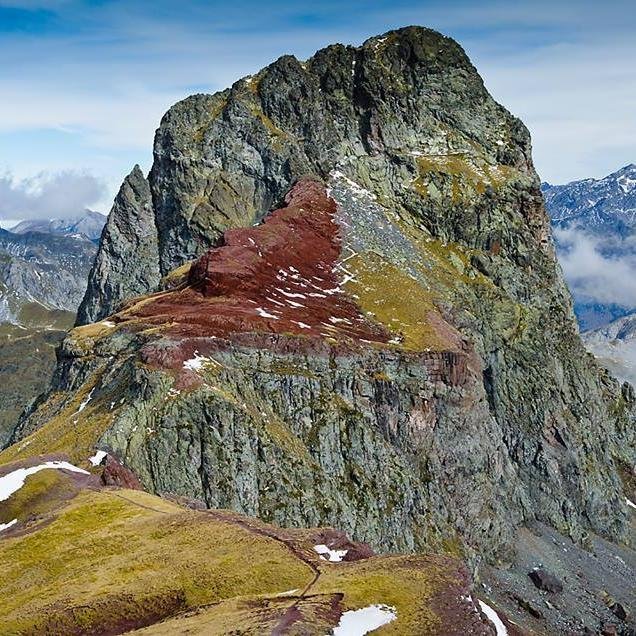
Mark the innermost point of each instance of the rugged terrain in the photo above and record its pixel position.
(615, 346)
(346, 311)
(89, 224)
(40, 272)
(607, 204)
(102, 559)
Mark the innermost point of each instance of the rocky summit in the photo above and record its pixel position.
(335, 302)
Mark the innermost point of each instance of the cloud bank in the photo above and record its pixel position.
(64, 194)
(594, 275)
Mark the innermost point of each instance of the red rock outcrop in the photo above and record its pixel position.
(281, 277)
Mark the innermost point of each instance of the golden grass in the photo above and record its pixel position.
(108, 553)
(70, 432)
(397, 301)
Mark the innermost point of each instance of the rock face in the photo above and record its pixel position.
(126, 263)
(391, 351)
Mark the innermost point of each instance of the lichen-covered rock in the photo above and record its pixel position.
(127, 261)
(391, 352)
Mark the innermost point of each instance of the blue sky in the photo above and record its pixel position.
(84, 84)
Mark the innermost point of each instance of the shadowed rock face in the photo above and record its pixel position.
(439, 395)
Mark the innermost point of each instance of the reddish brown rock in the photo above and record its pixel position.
(114, 474)
(278, 278)
(338, 540)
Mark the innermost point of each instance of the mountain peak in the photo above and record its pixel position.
(88, 224)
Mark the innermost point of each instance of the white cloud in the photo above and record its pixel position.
(593, 276)
(48, 195)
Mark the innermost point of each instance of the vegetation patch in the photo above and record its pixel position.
(397, 301)
(127, 551)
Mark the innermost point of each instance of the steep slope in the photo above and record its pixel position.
(27, 362)
(127, 263)
(89, 225)
(374, 334)
(595, 222)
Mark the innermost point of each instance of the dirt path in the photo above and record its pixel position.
(292, 613)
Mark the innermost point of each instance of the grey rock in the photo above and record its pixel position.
(127, 261)
(545, 581)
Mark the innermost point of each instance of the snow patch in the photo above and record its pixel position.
(290, 294)
(630, 503)
(6, 526)
(261, 312)
(626, 184)
(84, 404)
(328, 554)
(196, 363)
(12, 482)
(493, 617)
(97, 458)
(362, 621)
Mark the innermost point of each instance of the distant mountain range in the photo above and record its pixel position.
(43, 276)
(44, 269)
(596, 218)
(615, 346)
(89, 224)
(594, 221)
(605, 205)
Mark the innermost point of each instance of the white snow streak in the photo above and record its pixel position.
(6, 526)
(333, 555)
(12, 482)
(261, 312)
(83, 405)
(493, 617)
(97, 458)
(630, 503)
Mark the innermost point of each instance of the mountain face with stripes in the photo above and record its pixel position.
(335, 302)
